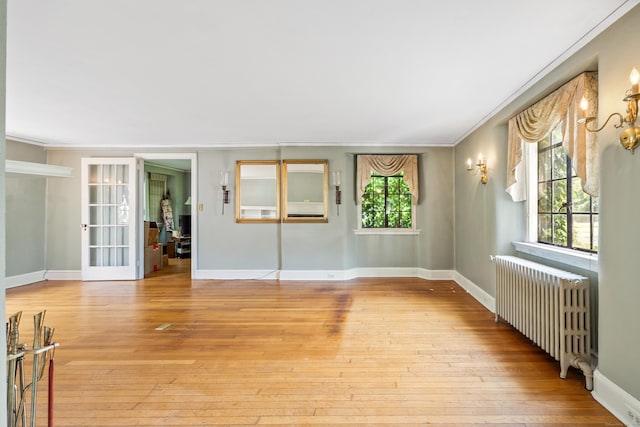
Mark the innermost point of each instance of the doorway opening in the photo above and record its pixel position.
(168, 186)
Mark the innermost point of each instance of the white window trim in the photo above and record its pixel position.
(575, 258)
(388, 231)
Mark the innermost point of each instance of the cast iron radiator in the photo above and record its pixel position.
(550, 307)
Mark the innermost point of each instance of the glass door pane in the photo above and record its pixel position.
(108, 219)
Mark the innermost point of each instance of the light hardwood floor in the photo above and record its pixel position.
(364, 352)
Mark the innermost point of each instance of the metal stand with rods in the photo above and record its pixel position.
(17, 391)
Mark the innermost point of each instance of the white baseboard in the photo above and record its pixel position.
(236, 275)
(615, 399)
(476, 291)
(24, 279)
(421, 273)
(383, 272)
(313, 275)
(63, 275)
(437, 274)
(337, 275)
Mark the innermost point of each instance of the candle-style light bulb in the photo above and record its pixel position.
(469, 164)
(634, 78)
(584, 104)
(480, 159)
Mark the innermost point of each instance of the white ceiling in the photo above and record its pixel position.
(200, 73)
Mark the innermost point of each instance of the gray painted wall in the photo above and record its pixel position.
(305, 186)
(332, 245)
(487, 221)
(25, 211)
(619, 289)
(63, 215)
(258, 192)
(224, 244)
(3, 237)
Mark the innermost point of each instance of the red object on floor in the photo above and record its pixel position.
(50, 415)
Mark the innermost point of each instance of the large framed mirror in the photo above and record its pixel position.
(305, 187)
(257, 191)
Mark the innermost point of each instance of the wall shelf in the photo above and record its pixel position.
(41, 169)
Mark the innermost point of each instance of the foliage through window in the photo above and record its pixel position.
(567, 216)
(386, 203)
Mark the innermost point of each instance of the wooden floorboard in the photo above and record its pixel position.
(385, 352)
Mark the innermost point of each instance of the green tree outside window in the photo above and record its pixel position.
(386, 203)
(567, 216)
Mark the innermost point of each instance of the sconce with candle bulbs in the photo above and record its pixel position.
(335, 181)
(482, 167)
(630, 137)
(224, 181)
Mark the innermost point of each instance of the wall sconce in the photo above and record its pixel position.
(630, 137)
(482, 166)
(335, 181)
(224, 181)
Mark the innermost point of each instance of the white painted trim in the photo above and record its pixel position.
(476, 291)
(41, 169)
(313, 275)
(236, 275)
(195, 204)
(571, 257)
(333, 275)
(387, 231)
(421, 273)
(63, 275)
(337, 275)
(614, 398)
(385, 272)
(49, 143)
(436, 274)
(24, 279)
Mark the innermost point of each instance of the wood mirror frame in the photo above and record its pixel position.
(305, 187)
(257, 191)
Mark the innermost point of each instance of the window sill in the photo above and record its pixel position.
(387, 231)
(578, 259)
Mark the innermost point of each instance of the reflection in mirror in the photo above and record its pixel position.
(305, 188)
(257, 191)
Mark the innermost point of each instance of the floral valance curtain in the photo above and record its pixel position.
(534, 123)
(387, 165)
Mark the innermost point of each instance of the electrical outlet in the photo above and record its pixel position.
(634, 416)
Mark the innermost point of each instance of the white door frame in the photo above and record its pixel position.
(129, 203)
(194, 199)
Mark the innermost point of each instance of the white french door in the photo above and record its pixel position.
(109, 219)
